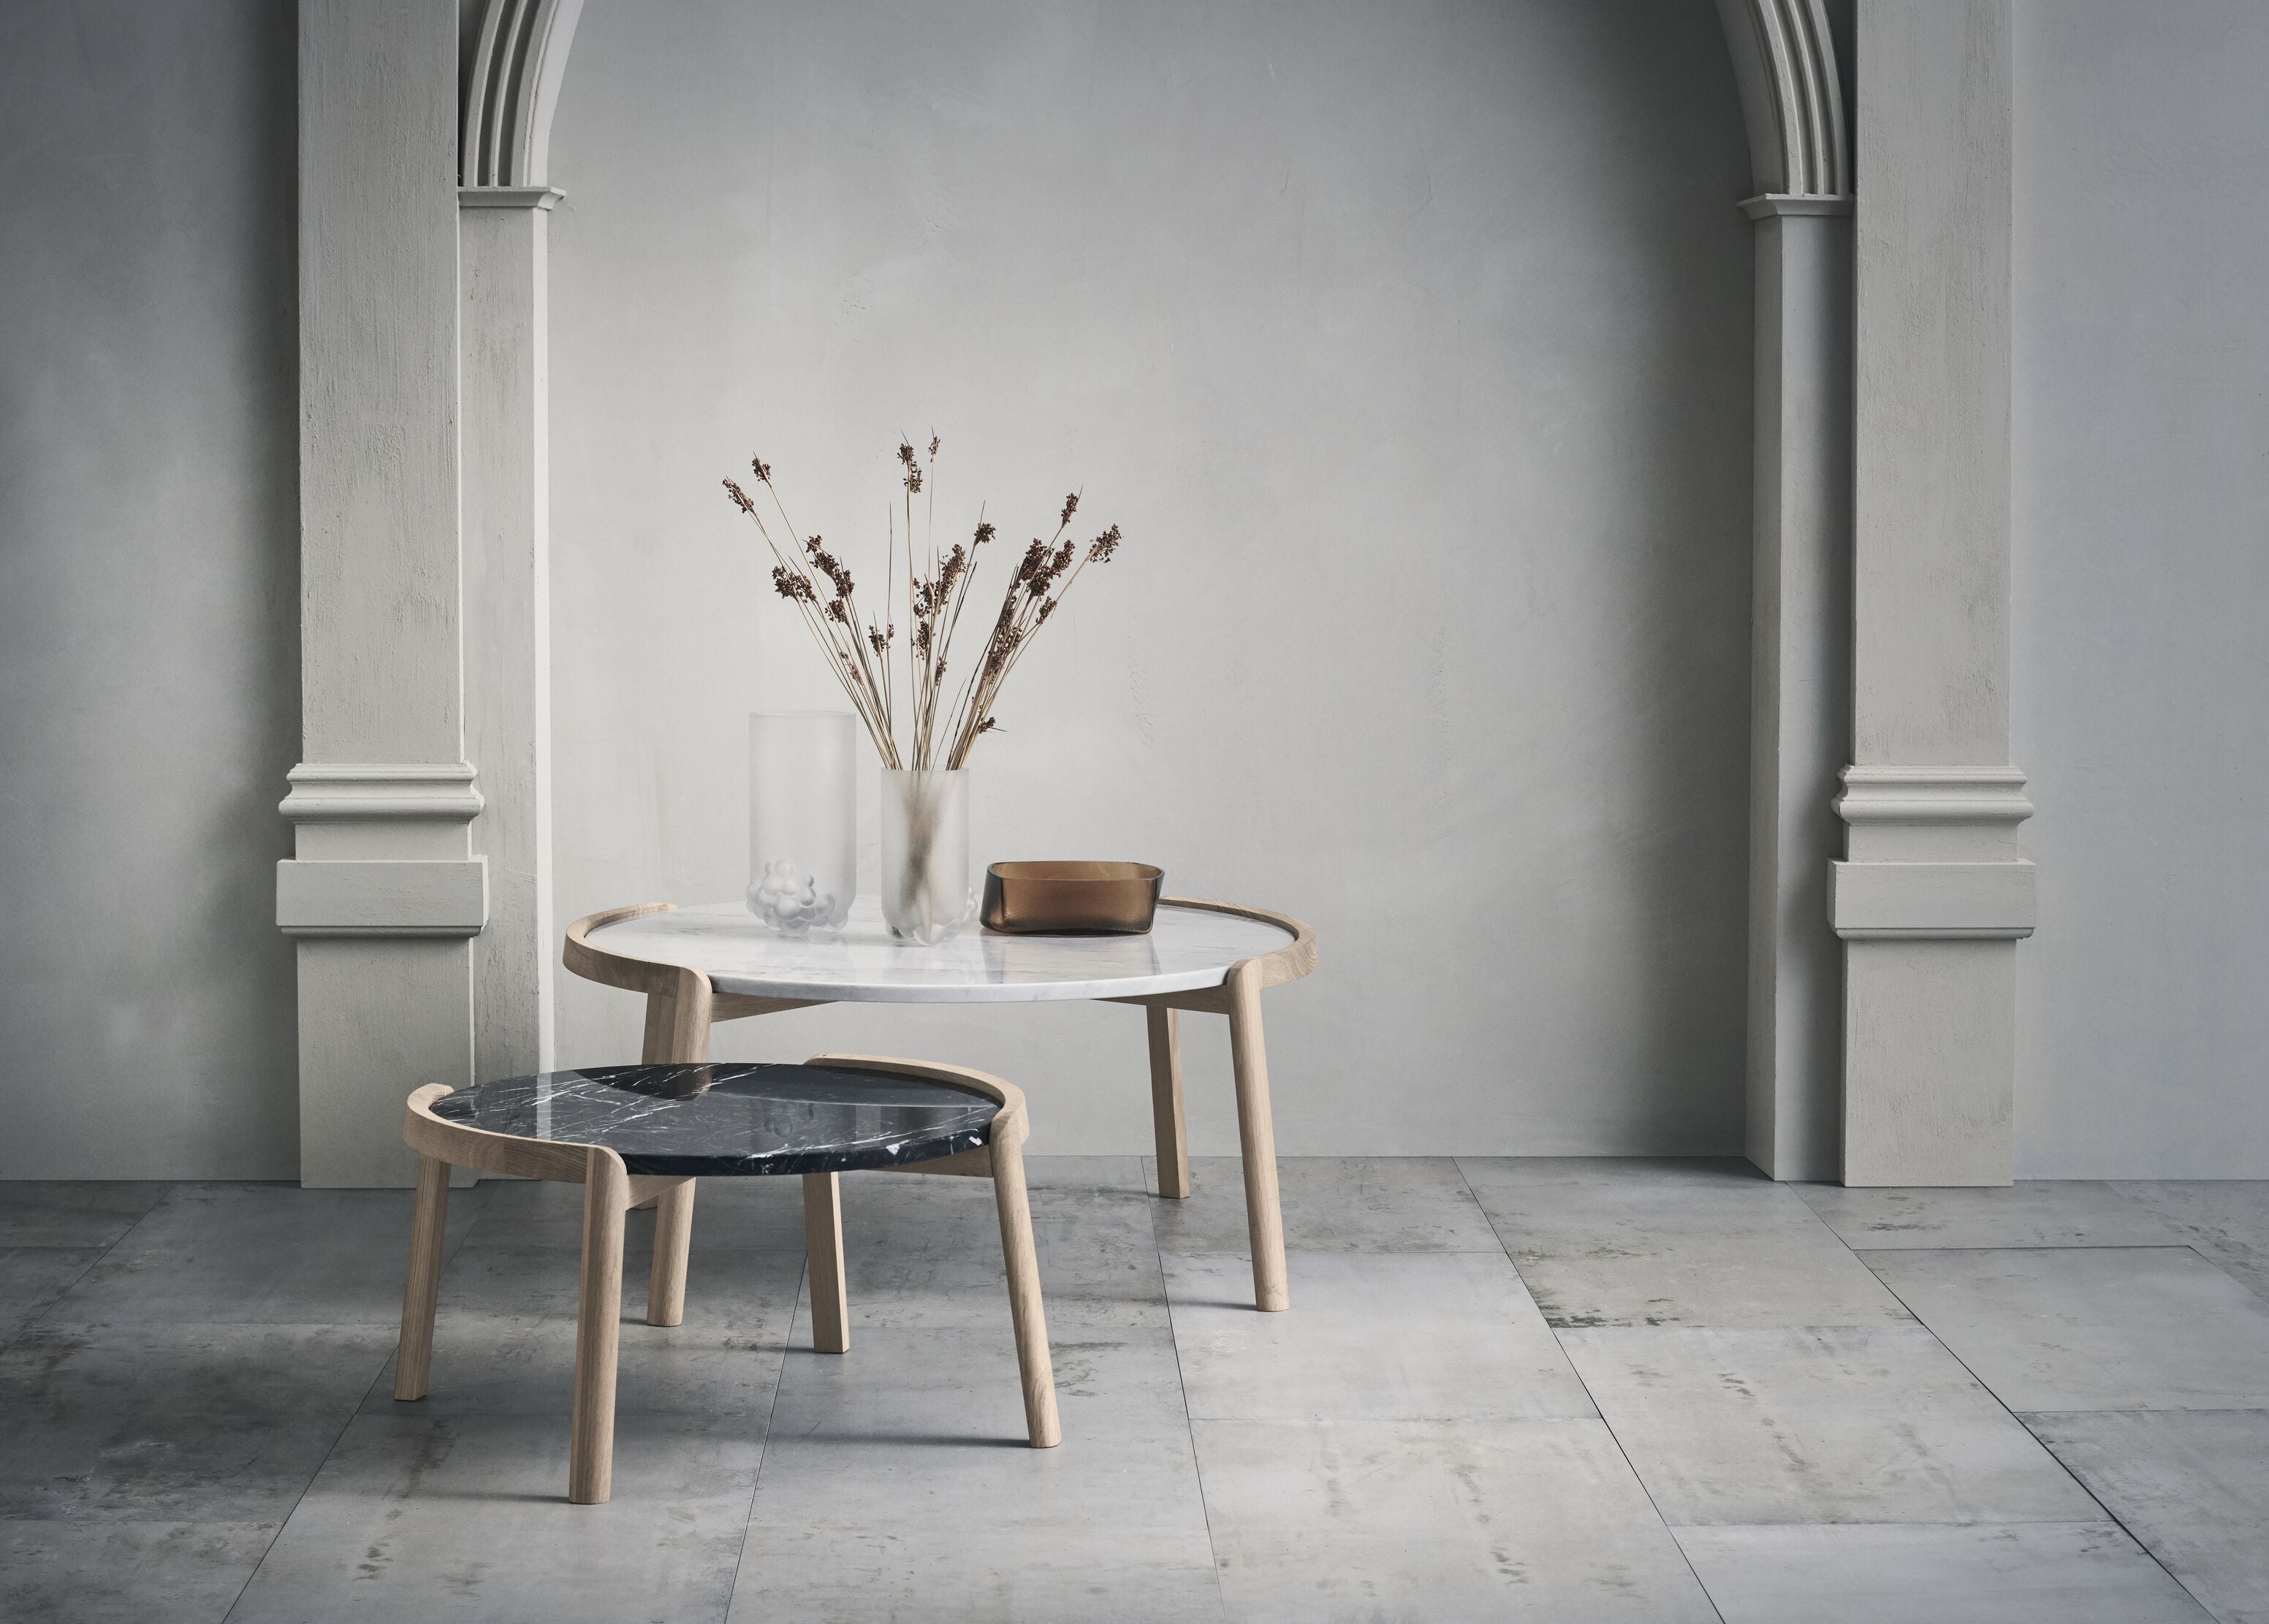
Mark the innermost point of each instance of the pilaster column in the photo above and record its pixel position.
(1934, 891)
(1800, 692)
(515, 57)
(1785, 66)
(384, 893)
(505, 311)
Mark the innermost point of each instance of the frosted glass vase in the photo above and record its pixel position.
(927, 894)
(803, 819)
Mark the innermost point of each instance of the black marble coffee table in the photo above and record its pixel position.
(630, 1134)
(726, 1121)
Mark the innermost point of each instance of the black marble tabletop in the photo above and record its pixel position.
(733, 1120)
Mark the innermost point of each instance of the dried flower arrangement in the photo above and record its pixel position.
(940, 731)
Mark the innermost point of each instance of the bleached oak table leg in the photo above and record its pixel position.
(1256, 1134)
(421, 1293)
(822, 1246)
(591, 1444)
(1034, 1369)
(673, 1243)
(677, 1032)
(1165, 1027)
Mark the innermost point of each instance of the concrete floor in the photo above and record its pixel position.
(1550, 1390)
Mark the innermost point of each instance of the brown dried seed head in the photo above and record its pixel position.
(740, 496)
(762, 469)
(1071, 506)
(985, 533)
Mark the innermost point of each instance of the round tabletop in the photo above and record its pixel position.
(740, 1120)
(1186, 949)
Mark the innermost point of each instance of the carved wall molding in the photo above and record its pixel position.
(1989, 795)
(1781, 205)
(511, 67)
(1928, 901)
(509, 196)
(1791, 97)
(326, 793)
(381, 896)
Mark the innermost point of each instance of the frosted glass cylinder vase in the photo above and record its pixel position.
(927, 894)
(803, 819)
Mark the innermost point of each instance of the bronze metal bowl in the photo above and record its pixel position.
(1071, 898)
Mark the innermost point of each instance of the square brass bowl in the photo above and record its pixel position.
(1071, 898)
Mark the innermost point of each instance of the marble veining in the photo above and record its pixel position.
(1186, 949)
(734, 1120)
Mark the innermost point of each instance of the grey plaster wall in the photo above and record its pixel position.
(148, 567)
(2141, 574)
(1409, 344)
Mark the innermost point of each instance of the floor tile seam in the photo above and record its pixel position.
(1181, 1380)
(756, 1477)
(1895, 1326)
(1860, 1254)
(102, 1254)
(2223, 1409)
(237, 1324)
(1592, 1400)
(474, 1410)
(2259, 1292)
(1466, 1419)
(354, 1411)
(2040, 1444)
(1336, 1252)
(7, 1245)
(1863, 1252)
(41, 1318)
(1931, 1522)
(1805, 1325)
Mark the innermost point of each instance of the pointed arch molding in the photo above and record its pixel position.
(511, 65)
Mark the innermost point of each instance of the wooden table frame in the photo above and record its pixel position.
(609, 1191)
(681, 1006)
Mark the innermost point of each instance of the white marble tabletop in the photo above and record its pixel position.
(1186, 948)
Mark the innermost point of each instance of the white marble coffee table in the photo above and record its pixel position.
(714, 962)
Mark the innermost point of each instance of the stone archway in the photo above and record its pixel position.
(424, 907)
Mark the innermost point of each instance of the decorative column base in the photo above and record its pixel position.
(385, 900)
(379, 1018)
(1931, 906)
